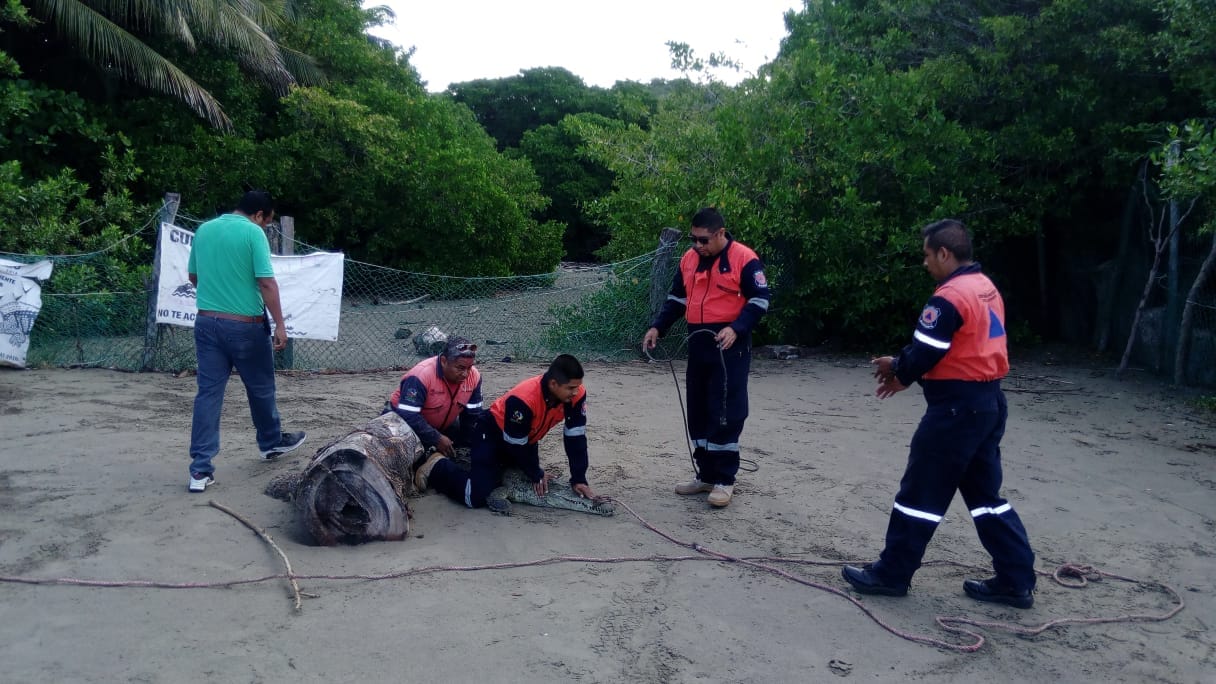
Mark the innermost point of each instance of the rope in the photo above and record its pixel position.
(1073, 576)
(745, 464)
(65, 257)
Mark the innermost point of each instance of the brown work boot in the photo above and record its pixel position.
(424, 470)
(720, 496)
(693, 486)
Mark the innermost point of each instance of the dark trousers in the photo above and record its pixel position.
(488, 459)
(957, 447)
(716, 383)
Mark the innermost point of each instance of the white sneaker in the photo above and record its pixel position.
(198, 484)
(693, 486)
(721, 495)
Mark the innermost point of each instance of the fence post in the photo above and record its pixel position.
(662, 269)
(284, 245)
(287, 236)
(167, 214)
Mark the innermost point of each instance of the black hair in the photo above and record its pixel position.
(950, 234)
(255, 201)
(709, 219)
(564, 369)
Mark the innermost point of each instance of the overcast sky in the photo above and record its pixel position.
(601, 42)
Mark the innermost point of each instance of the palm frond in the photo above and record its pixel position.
(303, 67)
(222, 24)
(111, 47)
(379, 15)
(179, 28)
(267, 14)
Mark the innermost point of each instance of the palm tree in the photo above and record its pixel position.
(108, 34)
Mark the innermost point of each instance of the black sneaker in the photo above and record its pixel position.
(866, 582)
(288, 441)
(992, 591)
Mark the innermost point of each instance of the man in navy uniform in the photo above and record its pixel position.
(958, 354)
(721, 291)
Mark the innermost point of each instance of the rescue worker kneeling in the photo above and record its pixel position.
(510, 433)
(440, 398)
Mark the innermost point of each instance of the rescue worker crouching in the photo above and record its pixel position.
(440, 398)
(510, 433)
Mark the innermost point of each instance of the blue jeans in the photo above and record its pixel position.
(220, 345)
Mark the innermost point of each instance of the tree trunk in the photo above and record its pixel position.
(354, 489)
(1108, 286)
(1131, 336)
(1184, 329)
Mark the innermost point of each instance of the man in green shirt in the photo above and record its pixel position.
(230, 266)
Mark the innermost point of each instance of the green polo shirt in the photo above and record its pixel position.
(229, 254)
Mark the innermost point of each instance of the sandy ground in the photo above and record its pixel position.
(1119, 475)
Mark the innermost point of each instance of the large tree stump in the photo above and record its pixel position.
(354, 489)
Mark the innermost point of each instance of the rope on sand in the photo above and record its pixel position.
(1073, 576)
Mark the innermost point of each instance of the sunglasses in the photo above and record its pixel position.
(464, 349)
(700, 240)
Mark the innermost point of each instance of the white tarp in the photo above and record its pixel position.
(20, 302)
(310, 287)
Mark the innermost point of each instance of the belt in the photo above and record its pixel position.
(232, 317)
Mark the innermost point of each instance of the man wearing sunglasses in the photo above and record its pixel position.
(722, 292)
(511, 433)
(440, 397)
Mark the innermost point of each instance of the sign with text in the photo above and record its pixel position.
(310, 287)
(20, 302)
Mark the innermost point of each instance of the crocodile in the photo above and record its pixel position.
(518, 488)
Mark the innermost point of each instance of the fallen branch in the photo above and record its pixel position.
(295, 587)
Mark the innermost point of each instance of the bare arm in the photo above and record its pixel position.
(270, 297)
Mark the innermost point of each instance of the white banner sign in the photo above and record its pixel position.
(20, 302)
(310, 287)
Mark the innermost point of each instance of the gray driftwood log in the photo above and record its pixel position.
(354, 489)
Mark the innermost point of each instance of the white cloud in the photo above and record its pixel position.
(601, 42)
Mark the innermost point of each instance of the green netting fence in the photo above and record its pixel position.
(596, 312)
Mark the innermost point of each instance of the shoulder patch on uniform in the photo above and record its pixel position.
(995, 329)
(517, 416)
(411, 394)
(930, 316)
(760, 280)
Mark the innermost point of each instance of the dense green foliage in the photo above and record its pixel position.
(367, 161)
(1022, 118)
(525, 114)
(1027, 119)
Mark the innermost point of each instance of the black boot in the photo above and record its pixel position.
(865, 581)
(994, 591)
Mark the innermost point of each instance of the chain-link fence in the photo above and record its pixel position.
(389, 317)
